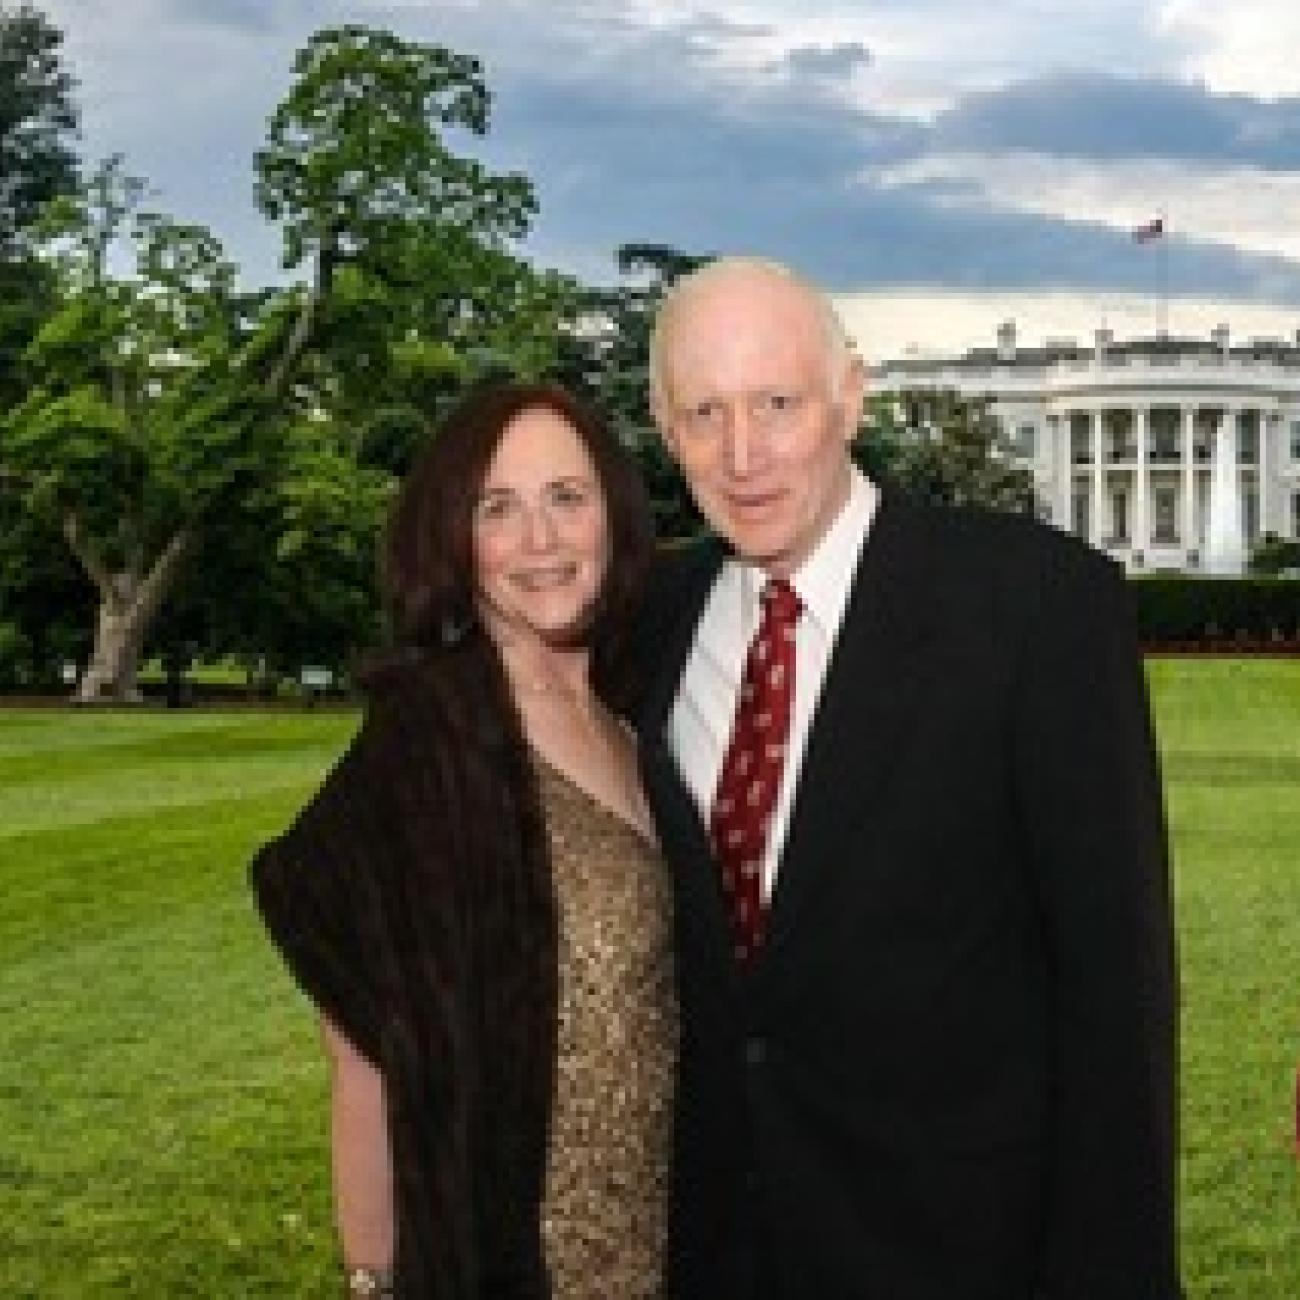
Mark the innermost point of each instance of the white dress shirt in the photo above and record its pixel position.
(699, 728)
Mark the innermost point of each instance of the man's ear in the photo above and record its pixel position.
(853, 394)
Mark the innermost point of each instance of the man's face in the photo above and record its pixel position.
(756, 418)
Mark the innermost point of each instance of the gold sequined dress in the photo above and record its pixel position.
(605, 1207)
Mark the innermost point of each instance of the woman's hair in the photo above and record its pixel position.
(427, 569)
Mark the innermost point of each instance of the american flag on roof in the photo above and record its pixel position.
(1149, 230)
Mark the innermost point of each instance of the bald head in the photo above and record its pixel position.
(750, 283)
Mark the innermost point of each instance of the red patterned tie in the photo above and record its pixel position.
(751, 771)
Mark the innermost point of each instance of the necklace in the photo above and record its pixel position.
(585, 705)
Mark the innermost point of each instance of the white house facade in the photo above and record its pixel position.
(1120, 436)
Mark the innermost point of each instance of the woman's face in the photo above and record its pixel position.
(541, 540)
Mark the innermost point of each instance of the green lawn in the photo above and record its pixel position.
(162, 1122)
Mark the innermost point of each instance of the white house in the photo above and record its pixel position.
(1120, 436)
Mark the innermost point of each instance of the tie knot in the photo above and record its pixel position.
(781, 603)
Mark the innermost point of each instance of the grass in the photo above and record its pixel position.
(162, 1121)
(1230, 740)
(161, 1099)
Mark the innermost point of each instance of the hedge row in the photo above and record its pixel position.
(1194, 610)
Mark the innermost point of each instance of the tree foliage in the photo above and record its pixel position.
(356, 170)
(355, 153)
(945, 449)
(37, 121)
(607, 356)
(137, 427)
(37, 117)
(1273, 555)
(169, 417)
(131, 422)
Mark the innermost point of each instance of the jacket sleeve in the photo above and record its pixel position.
(1088, 776)
(313, 886)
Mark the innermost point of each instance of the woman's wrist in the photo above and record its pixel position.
(368, 1283)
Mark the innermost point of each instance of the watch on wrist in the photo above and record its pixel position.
(369, 1284)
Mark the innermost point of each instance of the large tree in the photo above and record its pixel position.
(138, 426)
(356, 169)
(167, 409)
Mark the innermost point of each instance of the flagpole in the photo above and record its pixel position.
(1144, 234)
(1162, 314)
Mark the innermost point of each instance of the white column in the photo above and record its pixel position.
(1187, 529)
(1141, 508)
(1232, 423)
(1098, 478)
(1261, 469)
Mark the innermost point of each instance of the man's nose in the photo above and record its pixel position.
(738, 443)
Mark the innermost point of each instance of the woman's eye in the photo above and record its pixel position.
(567, 494)
(494, 507)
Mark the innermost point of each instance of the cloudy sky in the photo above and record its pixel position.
(937, 165)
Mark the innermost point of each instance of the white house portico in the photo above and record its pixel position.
(1120, 437)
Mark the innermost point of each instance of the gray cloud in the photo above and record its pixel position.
(837, 62)
(1096, 116)
(243, 15)
(782, 166)
(718, 29)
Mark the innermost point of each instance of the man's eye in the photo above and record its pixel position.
(782, 402)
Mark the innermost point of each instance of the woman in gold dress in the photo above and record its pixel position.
(473, 899)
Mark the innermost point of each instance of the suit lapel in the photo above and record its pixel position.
(681, 831)
(677, 601)
(867, 698)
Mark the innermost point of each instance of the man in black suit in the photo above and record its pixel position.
(901, 764)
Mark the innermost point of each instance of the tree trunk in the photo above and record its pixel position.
(119, 638)
(128, 603)
(305, 325)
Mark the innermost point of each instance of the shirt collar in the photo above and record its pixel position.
(824, 578)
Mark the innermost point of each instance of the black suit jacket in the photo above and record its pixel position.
(950, 1073)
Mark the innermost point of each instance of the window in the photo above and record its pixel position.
(1165, 448)
(1119, 517)
(1119, 444)
(1026, 440)
(1248, 440)
(1295, 515)
(1079, 513)
(1165, 512)
(1250, 515)
(1081, 442)
(1295, 440)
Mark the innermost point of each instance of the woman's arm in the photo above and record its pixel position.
(362, 1159)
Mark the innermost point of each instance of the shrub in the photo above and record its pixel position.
(1201, 610)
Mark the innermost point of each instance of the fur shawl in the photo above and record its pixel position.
(412, 900)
